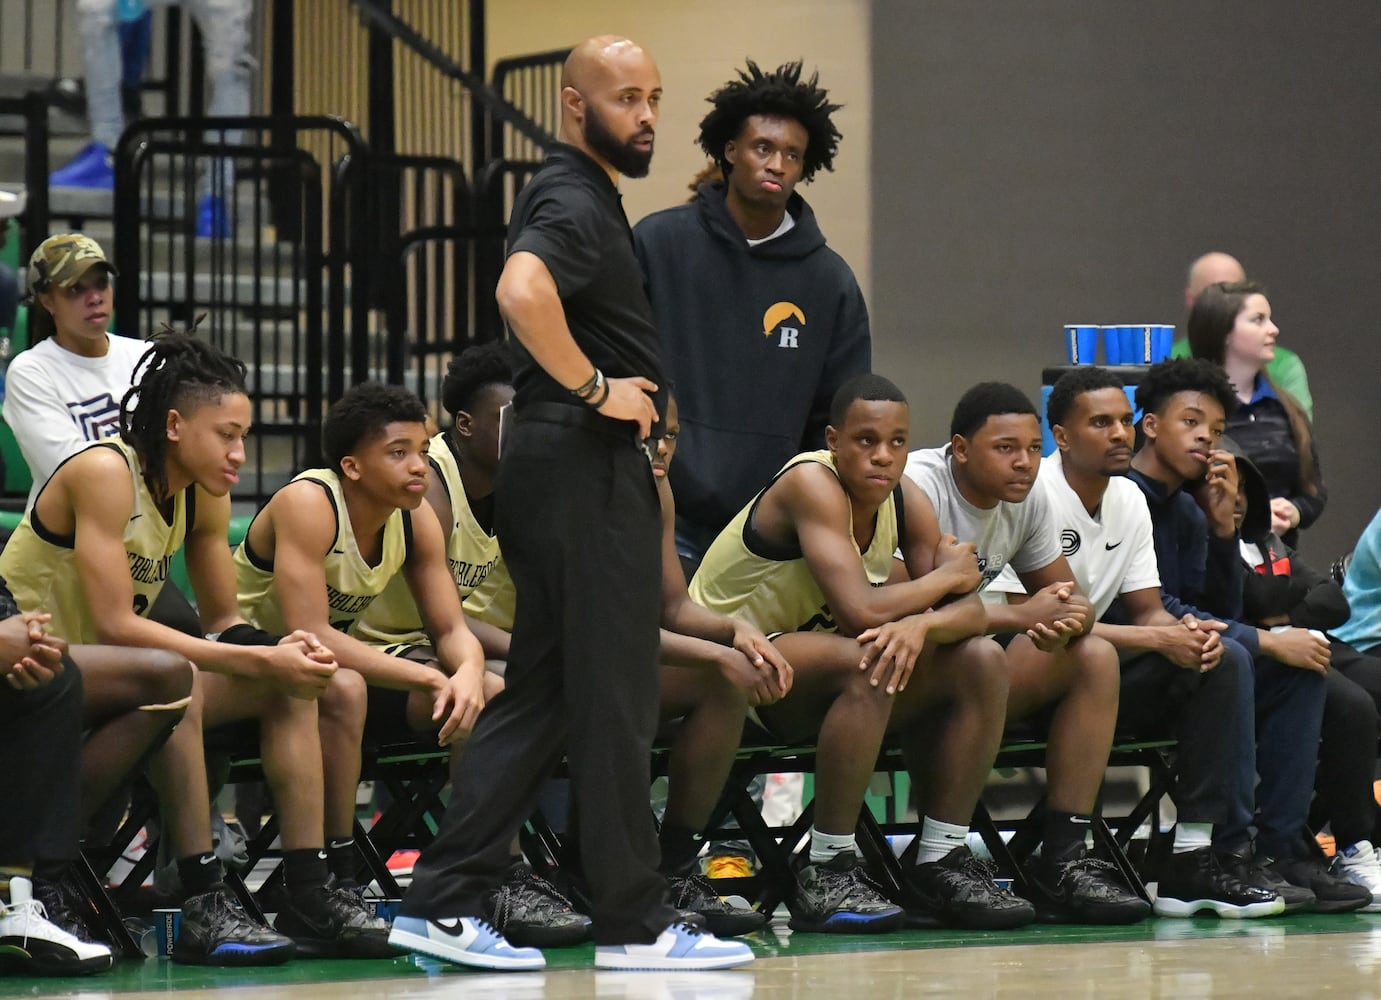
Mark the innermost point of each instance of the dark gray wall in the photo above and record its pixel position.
(1037, 163)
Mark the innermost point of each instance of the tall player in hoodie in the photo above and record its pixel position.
(761, 322)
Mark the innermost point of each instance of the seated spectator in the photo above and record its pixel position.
(107, 523)
(64, 391)
(1286, 369)
(1062, 678)
(1281, 593)
(1184, 406)
(1231, 326)
(40, 738)
(1362, 588)
(324, 547)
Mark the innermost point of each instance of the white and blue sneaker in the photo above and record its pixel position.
(465, 941)
(680, 946)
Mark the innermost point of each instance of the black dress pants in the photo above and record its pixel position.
(579, 524)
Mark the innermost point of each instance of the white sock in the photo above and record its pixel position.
(938, 839)
(1192, 837)
(825, 847)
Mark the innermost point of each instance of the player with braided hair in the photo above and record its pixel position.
(94, 551)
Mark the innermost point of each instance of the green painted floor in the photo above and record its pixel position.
(777, 940)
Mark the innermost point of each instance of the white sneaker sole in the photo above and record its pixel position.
(1189, 907)
(656, 963)
(458, 956)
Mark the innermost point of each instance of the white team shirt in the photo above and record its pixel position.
(1017, 534)
(1110, 551)
(57, 402)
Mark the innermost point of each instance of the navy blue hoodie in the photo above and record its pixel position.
(757, 340)
(1200, 574)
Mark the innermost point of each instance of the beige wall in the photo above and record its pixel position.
(697, 46)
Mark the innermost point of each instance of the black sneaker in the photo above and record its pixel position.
(1331, 893)
(1083, 890)
(959, 891)
(530, 912)
(693, 891)
(66, 907)
(838, 897)
(1196, 882)
(1254, 871)
(217, 931)
(328, 922)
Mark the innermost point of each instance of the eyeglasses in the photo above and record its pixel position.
(95, 283)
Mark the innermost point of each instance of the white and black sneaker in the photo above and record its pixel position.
(465, 941)
(32, 945)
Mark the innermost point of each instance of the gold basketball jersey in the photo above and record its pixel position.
(747, 578)
(351, 583)
(471, 553)
(40, 566)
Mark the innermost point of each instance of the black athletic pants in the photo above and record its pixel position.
(1212, 716)
(578, 521)
(1347, 754)
(40, 770)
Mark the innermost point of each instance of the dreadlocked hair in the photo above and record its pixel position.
(179, 372)
(780, 92)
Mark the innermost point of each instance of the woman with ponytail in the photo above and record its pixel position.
(1230, 325)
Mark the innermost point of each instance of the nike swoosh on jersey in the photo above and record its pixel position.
(1109, 546)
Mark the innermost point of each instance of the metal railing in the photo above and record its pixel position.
(532, 83)
(32, 112)
(294, 311)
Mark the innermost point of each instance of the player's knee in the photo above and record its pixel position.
(1096, 663)
(346, 698)
(985, 670)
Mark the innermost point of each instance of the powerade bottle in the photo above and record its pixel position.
(129, 10)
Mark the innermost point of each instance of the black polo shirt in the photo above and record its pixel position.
(571, 217)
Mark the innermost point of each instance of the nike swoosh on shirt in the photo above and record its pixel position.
(1109, 546)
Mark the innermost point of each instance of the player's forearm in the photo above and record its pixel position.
(687, 618)
(459, 651)
(1132, 638)
(876, 606)
(374, 665)
(679, 650)
(960, 620)
(130, 630)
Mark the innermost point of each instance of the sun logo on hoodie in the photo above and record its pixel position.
(775, 320)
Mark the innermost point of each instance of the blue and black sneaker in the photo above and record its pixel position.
(217, 931)
(838, 897)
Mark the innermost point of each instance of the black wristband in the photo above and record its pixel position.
(591, 388)
(247, 635)
(595, 403)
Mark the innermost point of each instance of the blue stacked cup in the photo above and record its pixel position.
(1081, 343)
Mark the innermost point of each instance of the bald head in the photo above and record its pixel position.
(610, 94)
(1210, 269)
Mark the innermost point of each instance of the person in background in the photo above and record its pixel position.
(1230, 325)
(1286, 369)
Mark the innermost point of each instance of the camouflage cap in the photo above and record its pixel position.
(60, 261)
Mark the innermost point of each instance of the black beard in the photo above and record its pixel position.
(622, 156)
